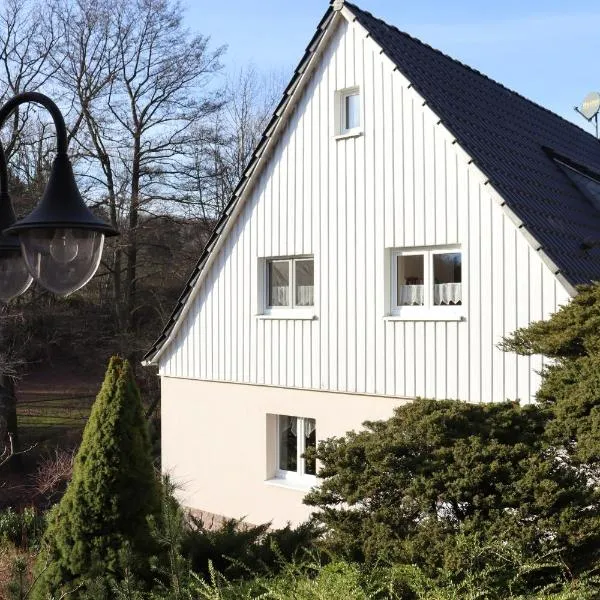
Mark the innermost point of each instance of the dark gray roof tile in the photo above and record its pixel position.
(507, 136)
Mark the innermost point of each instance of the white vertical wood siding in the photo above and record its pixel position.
(403, 183)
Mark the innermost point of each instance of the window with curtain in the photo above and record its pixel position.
(290, 282)
(427, 278)
(295, 436)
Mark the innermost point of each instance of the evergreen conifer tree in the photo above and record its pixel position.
(570, 387)
(440, 474)
(102, 520)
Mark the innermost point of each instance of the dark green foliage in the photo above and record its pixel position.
(238, 549)
(22, 529)
(236, 554)
(102, 520)
(500, 492)
(571, 332)
(413, 488)
(571, 385)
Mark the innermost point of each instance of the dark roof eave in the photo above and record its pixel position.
(150, 355)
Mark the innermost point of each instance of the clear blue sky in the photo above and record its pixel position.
(547, 50)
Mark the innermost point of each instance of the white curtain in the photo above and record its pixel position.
(410, 295)
(447, 293)
(279, 295)
(305, 295)
(309, 426)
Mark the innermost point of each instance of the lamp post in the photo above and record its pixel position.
(59, 244)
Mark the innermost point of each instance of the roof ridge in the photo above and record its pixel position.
(467, 67)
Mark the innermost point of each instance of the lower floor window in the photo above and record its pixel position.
(295, 435)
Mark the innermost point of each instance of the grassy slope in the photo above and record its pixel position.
(54, 420)
(52, 410)
(53, 406)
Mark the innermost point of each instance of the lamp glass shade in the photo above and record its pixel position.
(14, 275)
(62, 260)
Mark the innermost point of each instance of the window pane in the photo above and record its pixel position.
(288, 443)
(310, 435)
(305, 282)
(352, 111)
(447, 276)
(410, 274)
(279, 282)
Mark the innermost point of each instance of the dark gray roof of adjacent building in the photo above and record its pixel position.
(512, 140)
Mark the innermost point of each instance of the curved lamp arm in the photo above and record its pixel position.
(59, 124)
(61, 240)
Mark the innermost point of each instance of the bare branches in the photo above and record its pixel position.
(151, 128)
(27, 40)
(139, 82)
(9, 451)
(221, 151)
(53, 473)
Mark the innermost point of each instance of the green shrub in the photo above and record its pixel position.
(440, 476)
(238, 549)
(311, 579)
(22, 529)
(101, 524)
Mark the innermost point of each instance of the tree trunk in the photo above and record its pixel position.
(8, 418)
(117, 275)
(132, 236)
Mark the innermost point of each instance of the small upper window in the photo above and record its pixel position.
(290, 282)
(348, 111)
(427, 278)
(351, 111)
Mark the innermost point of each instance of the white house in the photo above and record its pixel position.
(401, 214)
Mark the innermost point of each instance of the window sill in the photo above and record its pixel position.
(348, 134)
(292, 314)
(425, 316)
(300, 484)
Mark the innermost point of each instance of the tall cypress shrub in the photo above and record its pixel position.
(102, 520)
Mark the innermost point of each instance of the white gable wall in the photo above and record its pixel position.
(403, 183)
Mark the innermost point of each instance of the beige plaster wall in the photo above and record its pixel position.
(218, 447)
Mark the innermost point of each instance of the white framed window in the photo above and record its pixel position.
(295, 435)
(289, 284)
(348, 112)
(426, 281)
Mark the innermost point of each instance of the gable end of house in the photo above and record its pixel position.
(559, 246)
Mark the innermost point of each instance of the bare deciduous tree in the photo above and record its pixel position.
(222, 151)
(27, 39)
(142, 85)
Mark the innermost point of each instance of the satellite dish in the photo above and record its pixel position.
(590, 105)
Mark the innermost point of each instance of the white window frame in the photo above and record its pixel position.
(340, 130)
(291, 310)
(428, 310)
(300, 475)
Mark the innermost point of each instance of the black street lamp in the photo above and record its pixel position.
(60, 243)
